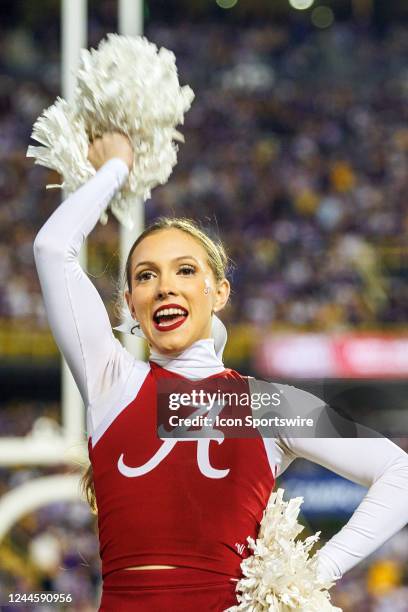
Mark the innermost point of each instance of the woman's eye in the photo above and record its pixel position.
(147, 275)
(144, 276)
(187, 270)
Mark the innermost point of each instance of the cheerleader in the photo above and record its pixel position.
(174, 516)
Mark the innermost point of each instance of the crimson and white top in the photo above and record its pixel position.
(194, 503)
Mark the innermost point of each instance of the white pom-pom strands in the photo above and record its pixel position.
(126, 85)
(280, 576)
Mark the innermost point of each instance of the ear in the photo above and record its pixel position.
(128, 297)
(221, 294)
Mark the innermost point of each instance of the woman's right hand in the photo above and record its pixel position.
(109, 145)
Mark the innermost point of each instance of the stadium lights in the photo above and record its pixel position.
(226, 4)
(301, 5)
(322, 17)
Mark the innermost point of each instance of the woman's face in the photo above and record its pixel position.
(168, 297)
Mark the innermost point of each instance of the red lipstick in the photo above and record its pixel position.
(168, 324)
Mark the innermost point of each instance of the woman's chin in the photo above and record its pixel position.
(174, 349)
(175, 341)
(168, 345)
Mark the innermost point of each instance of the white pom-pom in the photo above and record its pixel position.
(280, 576)
(127, 85)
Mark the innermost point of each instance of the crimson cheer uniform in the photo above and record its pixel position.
(186, 503)
(180, 508)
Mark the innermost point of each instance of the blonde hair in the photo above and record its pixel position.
(217, 260)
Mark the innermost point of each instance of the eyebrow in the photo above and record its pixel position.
(152, 263)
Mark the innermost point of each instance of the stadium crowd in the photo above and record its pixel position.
(296, 150)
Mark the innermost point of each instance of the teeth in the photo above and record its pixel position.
(170, 311)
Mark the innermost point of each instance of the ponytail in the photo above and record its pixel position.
(88, 489)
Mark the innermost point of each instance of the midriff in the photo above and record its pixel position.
(142, 567)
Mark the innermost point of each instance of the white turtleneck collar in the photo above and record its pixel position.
(196, 362)
(203, 358)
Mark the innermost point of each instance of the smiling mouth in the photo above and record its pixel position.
(167, 319)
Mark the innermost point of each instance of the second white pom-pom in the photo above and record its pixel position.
(280, 576)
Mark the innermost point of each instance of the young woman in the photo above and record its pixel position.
(173, 516)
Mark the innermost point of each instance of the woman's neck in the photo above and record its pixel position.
(197, 361)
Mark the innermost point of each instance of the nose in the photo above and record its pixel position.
(164, 289)
(162, 294)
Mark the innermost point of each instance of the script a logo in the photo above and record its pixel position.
(203, 459)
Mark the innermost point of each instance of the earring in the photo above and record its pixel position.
(207, 287)
(135, 328)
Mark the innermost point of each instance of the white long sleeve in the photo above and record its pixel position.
(76, 313)
(373, 462)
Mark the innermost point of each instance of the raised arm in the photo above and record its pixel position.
(374, 462)
(76, 313)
